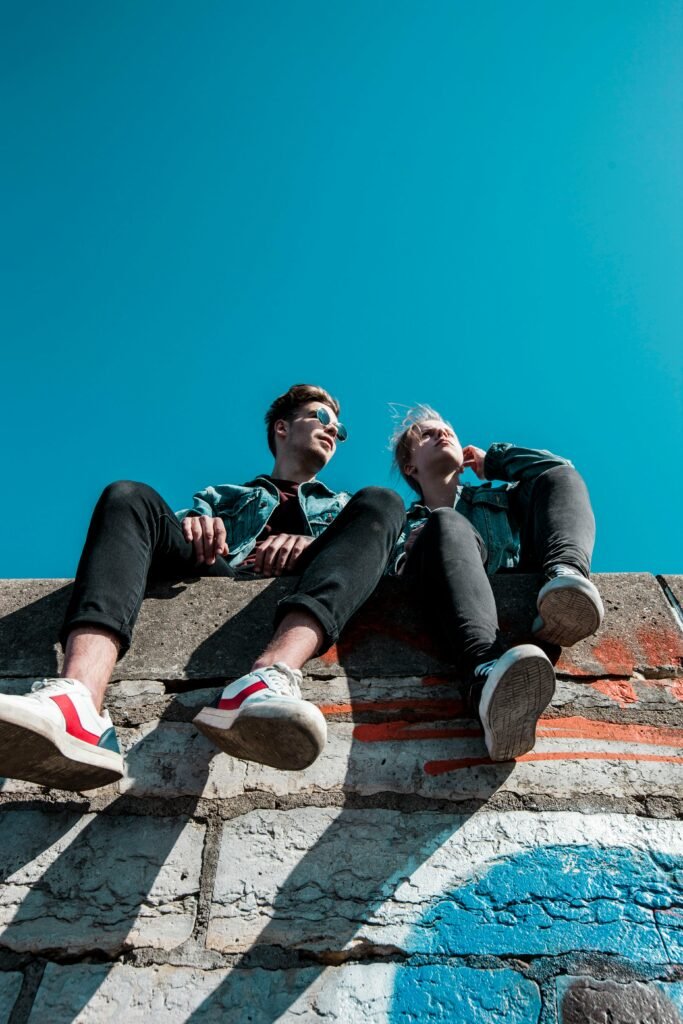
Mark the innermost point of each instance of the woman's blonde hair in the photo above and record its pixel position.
(405, 435)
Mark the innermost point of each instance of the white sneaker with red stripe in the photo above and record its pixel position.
(261, 717)
(55, 737)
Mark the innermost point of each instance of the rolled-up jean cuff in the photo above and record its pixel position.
(297, 602)
(124, 633)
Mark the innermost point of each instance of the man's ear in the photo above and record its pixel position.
(281, 429)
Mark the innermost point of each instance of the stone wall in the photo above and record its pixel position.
(403, 877)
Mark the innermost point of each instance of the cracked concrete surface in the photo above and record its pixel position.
(400, 878)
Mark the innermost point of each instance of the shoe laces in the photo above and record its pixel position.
(46, 684)
(481, 671)
(283, 680)
(555, 571)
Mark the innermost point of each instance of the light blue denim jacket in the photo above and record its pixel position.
(245, 509)
(487, 507)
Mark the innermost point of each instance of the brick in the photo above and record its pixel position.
(353, 994)
(508, 883)
(587, 1001)
(208, 629)
(97, 883)
(10, 984)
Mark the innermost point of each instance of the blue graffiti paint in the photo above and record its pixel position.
(547, 901)
(463, 994)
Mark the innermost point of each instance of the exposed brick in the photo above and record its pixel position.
(587, 1001)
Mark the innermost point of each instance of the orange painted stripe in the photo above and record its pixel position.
(442, 767)
(562, 728)
(435, 709)
(588, 728)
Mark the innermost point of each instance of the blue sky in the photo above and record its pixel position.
(478, 206)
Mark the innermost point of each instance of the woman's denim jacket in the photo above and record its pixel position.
(245, 509)
(488, 507)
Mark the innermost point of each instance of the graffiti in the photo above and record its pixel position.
(546, 902)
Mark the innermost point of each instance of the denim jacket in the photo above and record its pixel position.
(488, 507)
(245, 509)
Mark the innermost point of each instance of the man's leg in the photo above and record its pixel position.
(261, 716)
(57, 735)
(508, 689)
(557, 529)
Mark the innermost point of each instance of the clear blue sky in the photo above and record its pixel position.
(475, 205)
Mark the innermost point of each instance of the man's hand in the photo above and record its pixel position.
(412, 537)
(278, 553)
(207, 534)
(473, 458)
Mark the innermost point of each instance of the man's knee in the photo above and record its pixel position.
(383, 502)
(124, 493)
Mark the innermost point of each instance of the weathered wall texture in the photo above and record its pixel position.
(401, 878)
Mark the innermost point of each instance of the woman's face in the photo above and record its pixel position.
(436, 450)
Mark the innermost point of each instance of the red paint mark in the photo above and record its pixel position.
(384, 732)
(378, 625)
(662, 646)
(615, 656)
(331, 655)
(618, 690)
(431, 710)
(436, 680)
(677, 689)
(442, 767)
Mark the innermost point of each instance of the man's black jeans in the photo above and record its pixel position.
(135, 539)
(447, 563)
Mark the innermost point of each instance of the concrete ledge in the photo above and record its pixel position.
(403, 877)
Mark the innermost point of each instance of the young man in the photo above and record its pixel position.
(283, 523)
(539, 521)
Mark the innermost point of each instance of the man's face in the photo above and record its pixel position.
(436, 450)
(305, 434)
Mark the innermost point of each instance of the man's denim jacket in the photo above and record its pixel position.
(245, 509)
(487, 507)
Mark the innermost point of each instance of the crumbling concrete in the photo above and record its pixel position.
(402, 877)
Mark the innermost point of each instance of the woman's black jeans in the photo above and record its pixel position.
(447, 565)
(135, 539)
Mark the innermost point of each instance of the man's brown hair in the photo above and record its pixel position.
(285, 406)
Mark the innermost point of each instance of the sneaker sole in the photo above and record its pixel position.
(567, 613)
(290, 739)
(512, 703)
(34, 750)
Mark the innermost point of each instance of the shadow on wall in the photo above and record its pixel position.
(98, 898)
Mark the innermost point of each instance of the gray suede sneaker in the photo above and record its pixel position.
(517, 689)
(569, 608)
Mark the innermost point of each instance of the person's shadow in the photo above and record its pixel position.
(99, 898)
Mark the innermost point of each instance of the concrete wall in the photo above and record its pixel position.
(403, 877)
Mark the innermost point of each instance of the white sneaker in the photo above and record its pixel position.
(55, 737)
(569, 608)
(261, 717)
(519, 686)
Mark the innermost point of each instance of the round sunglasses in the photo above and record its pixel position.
(325, 418)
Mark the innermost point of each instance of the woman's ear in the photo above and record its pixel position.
(409, 469)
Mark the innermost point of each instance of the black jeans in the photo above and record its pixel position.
(135, 539)
(447, 563)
